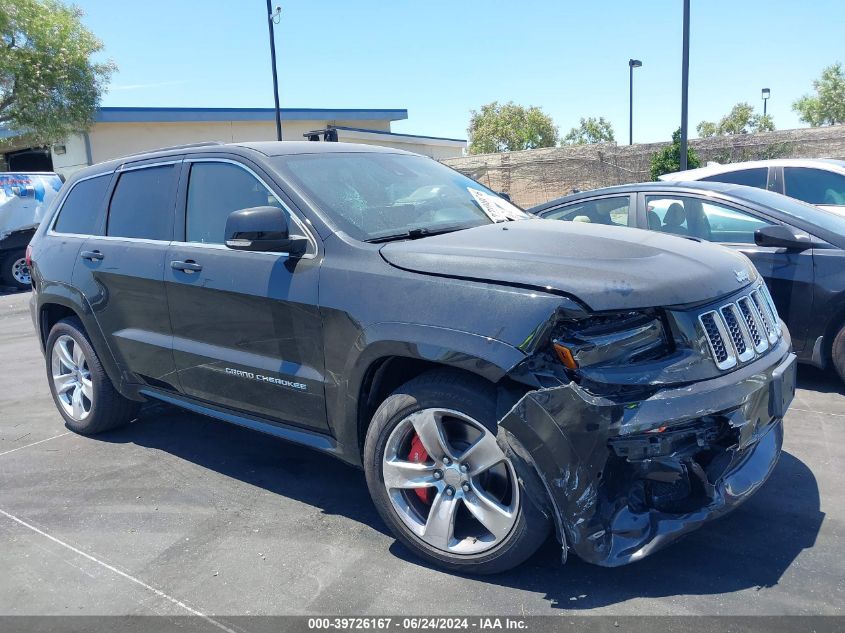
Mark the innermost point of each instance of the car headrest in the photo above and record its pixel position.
(653, 220)
(675, 215)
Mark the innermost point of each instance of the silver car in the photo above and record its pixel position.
(819, 181)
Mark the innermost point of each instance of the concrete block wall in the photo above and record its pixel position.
(535, 176)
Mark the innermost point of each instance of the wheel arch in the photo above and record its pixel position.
(388, 355)
(57, 302)
(832, 328)
(16, 240)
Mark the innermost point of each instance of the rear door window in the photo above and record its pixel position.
(143, 202)
(756, 177)
(816, 186)
(610, 211)
(82, 210)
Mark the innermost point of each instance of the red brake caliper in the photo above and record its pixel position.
(418, 455)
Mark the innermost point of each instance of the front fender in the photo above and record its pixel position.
(487, 357)
(482, 355)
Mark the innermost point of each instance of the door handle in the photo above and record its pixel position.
(188, 266)
(93, 256)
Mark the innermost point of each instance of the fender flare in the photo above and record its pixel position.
(70, 298)
(487, 357)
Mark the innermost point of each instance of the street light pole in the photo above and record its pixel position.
(684, 88)
(270, 18)
(766, 94)
(632, 63)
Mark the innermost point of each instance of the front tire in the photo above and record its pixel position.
(441, 481)
(81, 389)
(15, 271)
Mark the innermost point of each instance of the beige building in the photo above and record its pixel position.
(121, 131)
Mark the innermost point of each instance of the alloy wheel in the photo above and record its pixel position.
(449, 481)
(72, 378)
(20, 272)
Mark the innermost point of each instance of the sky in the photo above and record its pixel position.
(441, 59)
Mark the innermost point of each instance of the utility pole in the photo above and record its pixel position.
(685, 87)
(271, 18)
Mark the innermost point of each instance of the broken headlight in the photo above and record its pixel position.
(621, 338)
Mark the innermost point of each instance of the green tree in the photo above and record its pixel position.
(510, 127)
(765, 123)
(707, 129)
(590, 130)
(740, 120)
(49, 84)
(668, 159)
(827, 107)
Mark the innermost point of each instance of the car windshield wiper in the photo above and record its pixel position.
(415, 234)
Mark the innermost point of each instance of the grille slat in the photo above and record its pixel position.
(752, 322)
(718, 339)
(738, 332)
(764, 290)
(762, 307)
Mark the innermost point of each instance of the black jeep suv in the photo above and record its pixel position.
(497, 376)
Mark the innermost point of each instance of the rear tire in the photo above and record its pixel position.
(462, 506)
(81, 389)
(15, 271)
(837, 353)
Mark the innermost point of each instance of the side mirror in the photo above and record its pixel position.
(504, 194)
(780, 236)
(262, 229)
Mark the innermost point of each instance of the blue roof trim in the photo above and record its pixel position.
(179, 115)
(433, 138)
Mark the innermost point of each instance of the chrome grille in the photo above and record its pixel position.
(741, 330)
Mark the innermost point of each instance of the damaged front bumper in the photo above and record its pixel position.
(627, 478)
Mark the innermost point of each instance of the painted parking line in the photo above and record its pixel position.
(34, 443)
(113, 569)
(837, 415)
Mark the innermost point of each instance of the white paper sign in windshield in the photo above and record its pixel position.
(24, 199)
(496, 208)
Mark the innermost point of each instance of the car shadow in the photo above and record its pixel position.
(260, 460)
(821, 380)
(750, 548)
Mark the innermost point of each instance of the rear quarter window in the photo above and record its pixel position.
(756, 177)
(82, 210)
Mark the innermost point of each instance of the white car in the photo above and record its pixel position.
(819, 181)
(24, 198)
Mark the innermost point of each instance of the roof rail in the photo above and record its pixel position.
(172, 147)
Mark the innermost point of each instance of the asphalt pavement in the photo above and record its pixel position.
(178, 514)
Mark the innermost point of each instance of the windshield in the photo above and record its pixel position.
(826, 220)
(373, 196)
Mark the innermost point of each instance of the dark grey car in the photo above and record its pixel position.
(798, 248)
(497, 376)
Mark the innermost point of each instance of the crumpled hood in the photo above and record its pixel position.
(606, 267)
